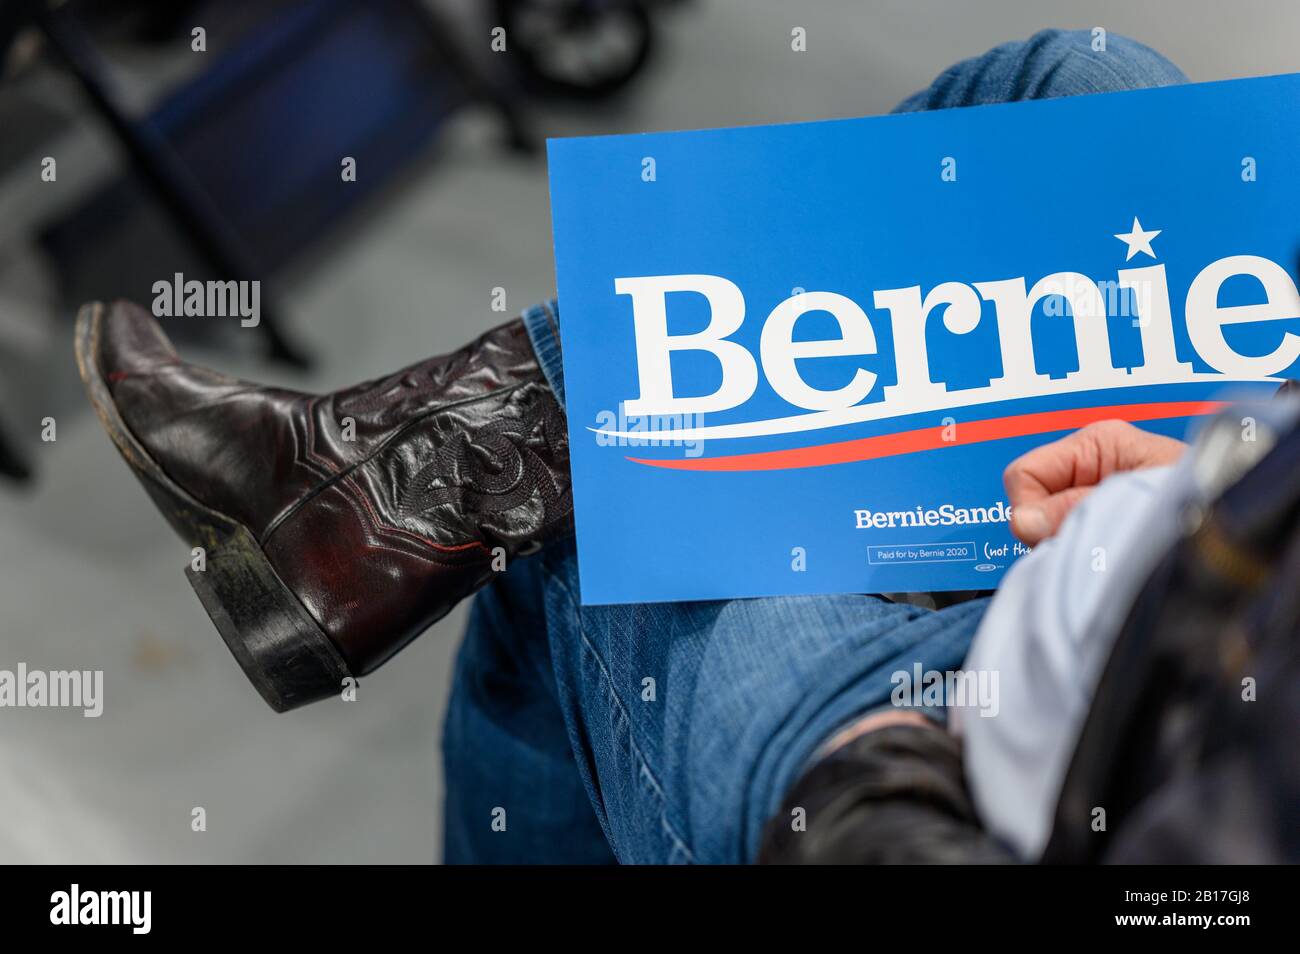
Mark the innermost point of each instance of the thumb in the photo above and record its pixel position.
(1035, 522)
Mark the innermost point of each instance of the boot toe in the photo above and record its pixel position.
(131, 343)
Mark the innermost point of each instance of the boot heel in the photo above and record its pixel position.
(280, 647)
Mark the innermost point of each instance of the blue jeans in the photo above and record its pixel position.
(669, 732)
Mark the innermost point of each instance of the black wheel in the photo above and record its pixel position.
(576, 48)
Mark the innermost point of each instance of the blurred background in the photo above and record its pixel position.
(225, 163)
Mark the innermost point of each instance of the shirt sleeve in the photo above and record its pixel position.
(1045, 639)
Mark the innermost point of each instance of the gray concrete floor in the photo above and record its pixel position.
(90, 577)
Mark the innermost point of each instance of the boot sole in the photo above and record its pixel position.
(280, 647)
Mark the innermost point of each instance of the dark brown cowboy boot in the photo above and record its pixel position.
(336, 527)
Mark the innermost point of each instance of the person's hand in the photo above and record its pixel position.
(1045, 484)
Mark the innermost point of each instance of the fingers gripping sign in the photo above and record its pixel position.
(1047, 483)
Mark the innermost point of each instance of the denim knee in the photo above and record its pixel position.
(1050, 63)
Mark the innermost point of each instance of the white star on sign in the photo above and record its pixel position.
(1138, 240)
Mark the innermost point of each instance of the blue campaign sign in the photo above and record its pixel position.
(798, 358)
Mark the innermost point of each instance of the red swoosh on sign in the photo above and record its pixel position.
(931, 438)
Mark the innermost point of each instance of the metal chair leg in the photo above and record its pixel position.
(12, 465)
(165, 176)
